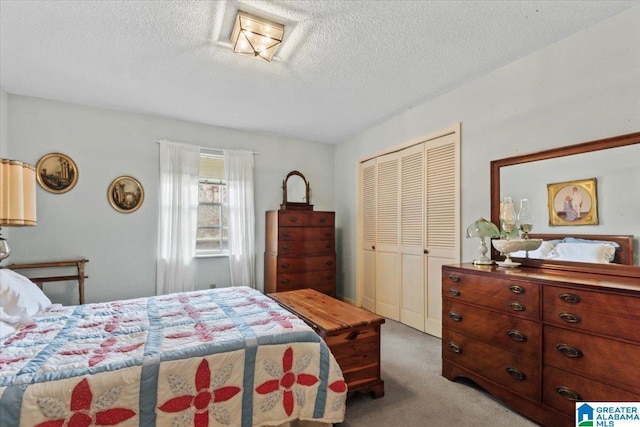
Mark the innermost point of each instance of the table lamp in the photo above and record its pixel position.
(482, 229)
(17, 197)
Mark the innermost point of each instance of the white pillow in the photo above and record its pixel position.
(545, 248)
(583, 252)
(18, 293)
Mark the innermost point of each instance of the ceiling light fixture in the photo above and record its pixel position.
(256, 36)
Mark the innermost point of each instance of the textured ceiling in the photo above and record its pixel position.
(343, 67)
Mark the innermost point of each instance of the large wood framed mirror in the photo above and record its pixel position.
(296, 192)
(612, 161)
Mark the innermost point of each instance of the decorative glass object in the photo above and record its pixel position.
(482, 229)
(525, 218)
(507, 217)
(505, 247)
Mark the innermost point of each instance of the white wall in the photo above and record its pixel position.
(4, 122)
(582, 88)
(106, 144)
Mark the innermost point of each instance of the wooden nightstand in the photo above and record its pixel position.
(79, 276)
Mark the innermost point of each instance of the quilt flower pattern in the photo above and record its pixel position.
(196, 403)
(83, 411)
(289, 378)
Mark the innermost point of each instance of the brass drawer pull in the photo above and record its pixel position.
(568, 351)
(454, 292)
(455, 316)
(570, 298)
(293, 219)
(454, 278)
(329, 277)
(286, 234)
(286, 247)
(328, 234)
(517, 306)
(285, 281)
(455, 348)
(517, 335)
(568, 394)
(322, 219)
(517, 374)
(329, 262)
(328, 246)
(569, 317)
(284, 265)
(516, 289)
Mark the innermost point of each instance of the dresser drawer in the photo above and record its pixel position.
(604, 360)
(301, 247)
(324, 282)
(306, 219)
(519, 374)
(306, 264)
(602, 313)
(561, 389)
(501, 330)
(309, 233)
(511, 296)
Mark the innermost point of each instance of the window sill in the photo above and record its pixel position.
(212, 255)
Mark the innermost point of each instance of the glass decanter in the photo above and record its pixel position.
(525, 218)
(507, 217)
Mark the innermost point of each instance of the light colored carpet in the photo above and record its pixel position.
(416, 394)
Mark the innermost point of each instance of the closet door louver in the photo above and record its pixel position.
(387, 222)
(412, 236)
(442, 235)
(368, 201)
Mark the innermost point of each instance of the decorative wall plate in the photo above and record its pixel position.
(56, 173)
(125, 194)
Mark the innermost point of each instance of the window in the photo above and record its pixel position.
(212, 234)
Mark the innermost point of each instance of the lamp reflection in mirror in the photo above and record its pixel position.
(17, 197)
(256, 36)
(482, 229)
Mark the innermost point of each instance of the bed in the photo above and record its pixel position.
(229, 356)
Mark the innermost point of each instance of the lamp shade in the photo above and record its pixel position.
(17, 193)
(256, 36)
(483, 228)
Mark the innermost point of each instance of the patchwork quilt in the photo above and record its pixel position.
(229, 356)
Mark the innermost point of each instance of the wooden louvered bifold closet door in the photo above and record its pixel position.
(412, 272)
(410, 213)
(387, 238)
(442, 221)
(368, 206)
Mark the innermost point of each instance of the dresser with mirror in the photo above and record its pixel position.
(550, 334)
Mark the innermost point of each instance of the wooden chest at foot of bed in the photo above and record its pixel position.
(352, 334)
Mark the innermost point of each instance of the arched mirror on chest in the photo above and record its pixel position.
(296, 192)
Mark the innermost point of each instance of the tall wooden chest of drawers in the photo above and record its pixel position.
(300, 251)
(542, 340)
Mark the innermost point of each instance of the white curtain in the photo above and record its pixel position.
(177, 225)
(238, 166)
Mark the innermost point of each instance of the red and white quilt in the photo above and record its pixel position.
(222, 357)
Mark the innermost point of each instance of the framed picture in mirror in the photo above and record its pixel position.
(573, 202)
